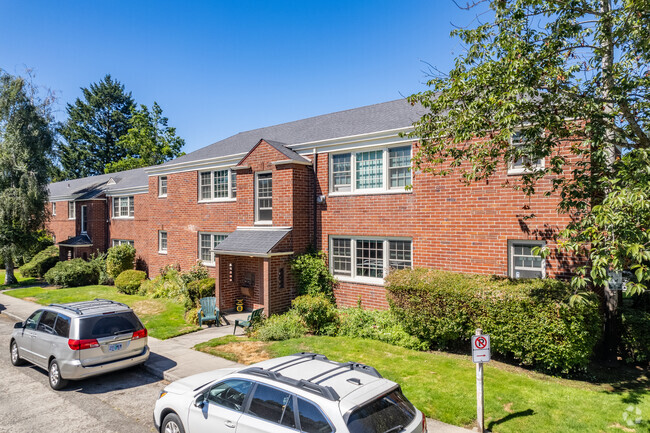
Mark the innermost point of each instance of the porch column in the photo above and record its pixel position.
(217, 279)
(266, 289)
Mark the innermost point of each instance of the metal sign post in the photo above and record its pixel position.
(480, 354)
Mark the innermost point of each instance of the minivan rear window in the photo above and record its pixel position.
(386, 413)
(108, 325)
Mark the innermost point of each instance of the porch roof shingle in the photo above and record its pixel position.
(251, 241)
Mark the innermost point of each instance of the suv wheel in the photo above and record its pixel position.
(172, 424)
(15, 357)
(54, 374)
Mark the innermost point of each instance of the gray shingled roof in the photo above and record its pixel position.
(251, 241)
(77, 241)
(281, 147)
(89, 187)
(372, 118)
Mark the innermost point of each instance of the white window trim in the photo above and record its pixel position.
(512, 243)
(74, 210)
(257, 220)
(230, 198)
(353, 257)
(385, 189)
(161, 251)
(83, 220)
(118, 242)
(212, 235)
(54, 209)
(127, 217)
(160, 178)
(512, 171)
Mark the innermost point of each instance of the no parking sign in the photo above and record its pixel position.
(480, 348)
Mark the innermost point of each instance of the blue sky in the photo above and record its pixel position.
(221, 67)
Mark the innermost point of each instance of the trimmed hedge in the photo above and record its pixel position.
(129, 282)
(41, 263)
(526, 319)
(635, 335)
(120, 258)
(73, 273)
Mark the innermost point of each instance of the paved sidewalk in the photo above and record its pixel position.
(174, 358)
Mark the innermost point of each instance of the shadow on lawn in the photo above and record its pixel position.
(527, 412)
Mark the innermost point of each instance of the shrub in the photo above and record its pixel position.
(281, 327)
(526, 319)
(635, 334)
(129, 281)
(99, 261)
(42, 241)
(119, 259)
(196, 272)
(168, 286)
(72, 273)
(192, 316)
(312, 275)
(317, 312)
(41, 263)
(199, 289)
(376, 325)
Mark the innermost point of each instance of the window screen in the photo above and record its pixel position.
(399, 163)
(342, 256)
(341, 172)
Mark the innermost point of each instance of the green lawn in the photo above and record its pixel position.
(164, 318)
(443, 386)
(22, 281)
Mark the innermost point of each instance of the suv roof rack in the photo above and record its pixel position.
(301, 357)
(85, 306)
(347, 366)
(324, 391)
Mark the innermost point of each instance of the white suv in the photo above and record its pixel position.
(305, 392)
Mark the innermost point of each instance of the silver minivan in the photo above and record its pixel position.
(81, 339)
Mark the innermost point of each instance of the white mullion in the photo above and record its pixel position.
(353, 172)
(229, 184)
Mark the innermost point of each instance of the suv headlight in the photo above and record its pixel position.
(162, 394)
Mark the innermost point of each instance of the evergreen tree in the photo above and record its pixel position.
(26, 139)
(94, 127)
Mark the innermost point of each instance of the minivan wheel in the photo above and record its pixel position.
(172, 424)
(54, 374)
(15, 357)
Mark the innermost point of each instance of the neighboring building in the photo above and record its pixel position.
(342, 182)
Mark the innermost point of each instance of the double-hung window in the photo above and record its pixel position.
(162, 242)
(123, 207)
(377, 170)
(522, 262)
(523, 164)
(208, 242)
(367, 258)
(54, 209)
(264, 198)
(84, 219)
(217, 185)
(162, 186)
(71, 210)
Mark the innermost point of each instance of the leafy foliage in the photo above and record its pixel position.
(41, 242)
(169, 285)
(318, 313)
(149, 141)
(199, 289)
(281, 327)
(527, 320)
(129, 281)
(537, 64)
(376, 325)
(312, 275)
(119, 259)
(73, 273)
(26, 139)
(41, 263)
(635, 335)
(197, 272)
(93, 129)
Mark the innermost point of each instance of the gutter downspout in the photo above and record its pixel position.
(315, 169)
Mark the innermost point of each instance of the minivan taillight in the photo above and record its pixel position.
(83, 344)
(424, 424)
(139, 334)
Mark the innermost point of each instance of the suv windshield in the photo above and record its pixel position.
(388, 413)
(108, 325)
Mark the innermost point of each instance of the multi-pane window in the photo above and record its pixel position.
(373, 170)
(123, 207)
(117, 242)
(208, 242)
(217, 185)
(162, 242)
(369, 258)
(264, 197)
(523, 164)
(162, 186)
(523, 262)
(71, 210)
(53, 208)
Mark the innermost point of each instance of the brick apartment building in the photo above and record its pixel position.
(341, 182)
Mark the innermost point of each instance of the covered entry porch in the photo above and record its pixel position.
(252, 265)
(76, 247)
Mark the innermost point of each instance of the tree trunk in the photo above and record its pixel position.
(10, 278)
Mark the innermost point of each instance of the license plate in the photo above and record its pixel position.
(114, 347)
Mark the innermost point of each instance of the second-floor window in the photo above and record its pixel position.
(523, 164)
(217, 185)
(162, 186)
(379, 170)
(264, 198)
(123, 207)
(71, 210)
(84, 219)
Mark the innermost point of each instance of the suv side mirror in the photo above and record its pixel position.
(19, 325)
(199, 402)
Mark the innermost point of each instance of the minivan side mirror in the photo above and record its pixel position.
(19, 325)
